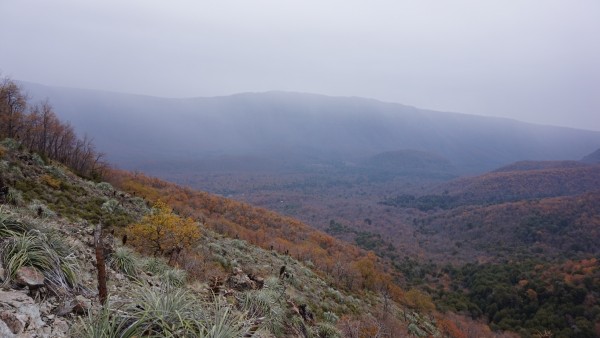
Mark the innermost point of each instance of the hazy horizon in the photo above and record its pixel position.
(535, 62)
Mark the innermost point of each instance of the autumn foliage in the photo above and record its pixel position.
(37, 128)
(163, 232)
(347, 265)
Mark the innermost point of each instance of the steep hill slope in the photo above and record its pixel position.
(293, 129)
(306, 284)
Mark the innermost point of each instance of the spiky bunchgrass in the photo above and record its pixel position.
(170, 312)
(25, 249)
(10, 143)
(326, 330)
(265, 303)
(223, 322)
(14, 197)
(124, 260)
(98, 325)
(330, 317)
(155, 265)
(46, 252)
(173, 277)
(9, 226)
(162, 313)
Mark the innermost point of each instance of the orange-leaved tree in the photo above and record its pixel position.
(163, 232)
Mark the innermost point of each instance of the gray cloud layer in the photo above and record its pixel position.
(532, 60)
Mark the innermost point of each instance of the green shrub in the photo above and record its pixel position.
(55, 171)
(41, 209)
(10, 143)
(140, 204)
(330, 317)
(105, 186)
(111, 207)
(37, 159)
(14, 197)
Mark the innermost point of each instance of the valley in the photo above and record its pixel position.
(447, 204)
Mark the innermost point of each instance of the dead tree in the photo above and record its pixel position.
(100, 265)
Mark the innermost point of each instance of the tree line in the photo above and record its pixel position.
(37, 128)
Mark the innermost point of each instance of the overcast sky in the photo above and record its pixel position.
(533, 60)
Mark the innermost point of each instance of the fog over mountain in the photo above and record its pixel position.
(283, 129)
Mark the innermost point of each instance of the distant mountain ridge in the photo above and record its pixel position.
(592, 158)
(293, 128)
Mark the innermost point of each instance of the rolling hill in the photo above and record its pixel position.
(293, 129)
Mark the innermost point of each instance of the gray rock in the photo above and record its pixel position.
(60, 328)
(22, 307)
(14, 323)
(81, 305)
(29, 276)
(5, 331)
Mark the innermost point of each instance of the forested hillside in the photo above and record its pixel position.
(180, 262)
(295, 130)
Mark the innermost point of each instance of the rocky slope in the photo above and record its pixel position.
(51, 289)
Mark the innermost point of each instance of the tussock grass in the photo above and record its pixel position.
(21, 246)
(98, 325)
(14, 197)
(124, 260)
(170, 312)
(265, 303)
(327, 330)
(155, 265)
(9, 226)
(173, 277)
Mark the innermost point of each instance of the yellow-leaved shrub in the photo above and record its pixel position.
(163, 232)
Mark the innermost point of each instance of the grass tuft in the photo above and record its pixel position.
(171, 312)
(46, 252)
(173, 277)
(124, 260)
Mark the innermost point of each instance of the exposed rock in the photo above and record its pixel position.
(30, 277)
(240, 282)
(5, 331)
(16, 306)
(2, 274)
(59, 328)
(12, 320)
(81, 305)
(259, 281)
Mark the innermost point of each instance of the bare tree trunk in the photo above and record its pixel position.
(100, 266)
